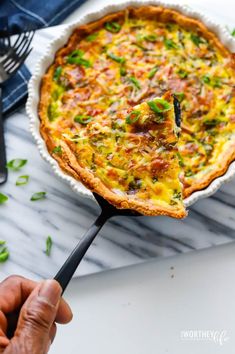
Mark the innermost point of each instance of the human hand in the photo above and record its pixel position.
(28, 312)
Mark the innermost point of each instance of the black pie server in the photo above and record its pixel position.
(67, 270)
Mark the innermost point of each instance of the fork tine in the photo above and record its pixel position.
(11, 63)
(19, 38)
(26, 45)
(14, 68)
(21, 43)
(14, 56)
(10, 55)
(23, 35)
(7, 56)
(27, 38)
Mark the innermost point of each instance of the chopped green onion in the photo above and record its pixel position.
(83, 119)
(159, 105)
(113, 27)
(151, 38)
(48, 246)
(140, 46)
(180, 159)
(189, 173)
(76, 57)
(152, 72)
(177, 194)
(76, 53)
(196, 39)
(212, 122)
(52, 111)
(16, 164)
(182, 73)
(213, 81)
(216, 82)
(135, 82)
(170, 26)
(133, 117)
(38, 196)
(233, 32)
(122, 71)
(4, 255)
(91, 37)
(170, 44)
(3, 198)
(57, 150)
(206, 79)
(80, 61)
(57, 73)
(114, 57)
(22, 180)
(57, 92)
(180, 96)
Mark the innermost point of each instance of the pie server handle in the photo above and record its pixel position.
(67, 270)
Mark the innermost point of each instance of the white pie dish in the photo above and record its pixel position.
(47, 59)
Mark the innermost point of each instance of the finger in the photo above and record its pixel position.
(64, 314)
(4, 342)
(52, 333)
(3, 323)
(14, 290)
(38, 315)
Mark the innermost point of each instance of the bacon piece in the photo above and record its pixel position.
(232, 118)
(72, 76)
(158, 164)
(191, 147)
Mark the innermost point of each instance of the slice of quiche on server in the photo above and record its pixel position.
(130, 159)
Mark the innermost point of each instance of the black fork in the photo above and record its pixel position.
(12, 57)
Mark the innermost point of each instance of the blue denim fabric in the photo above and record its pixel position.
(33, 14)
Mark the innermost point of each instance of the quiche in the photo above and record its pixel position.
(118, 65)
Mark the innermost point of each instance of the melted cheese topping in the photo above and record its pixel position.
(121, 64)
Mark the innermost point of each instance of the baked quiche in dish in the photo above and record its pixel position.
(107, 115)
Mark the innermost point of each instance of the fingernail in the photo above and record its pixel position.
(51, 291)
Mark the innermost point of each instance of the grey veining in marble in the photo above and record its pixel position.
(25, 225)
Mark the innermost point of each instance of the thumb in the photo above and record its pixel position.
(38, 314)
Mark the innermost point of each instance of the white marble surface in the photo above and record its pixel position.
(147, 308)
(123, 241)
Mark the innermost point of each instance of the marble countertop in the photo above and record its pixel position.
(64, 216)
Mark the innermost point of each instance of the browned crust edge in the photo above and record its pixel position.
(68, 162)
(224, 162)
